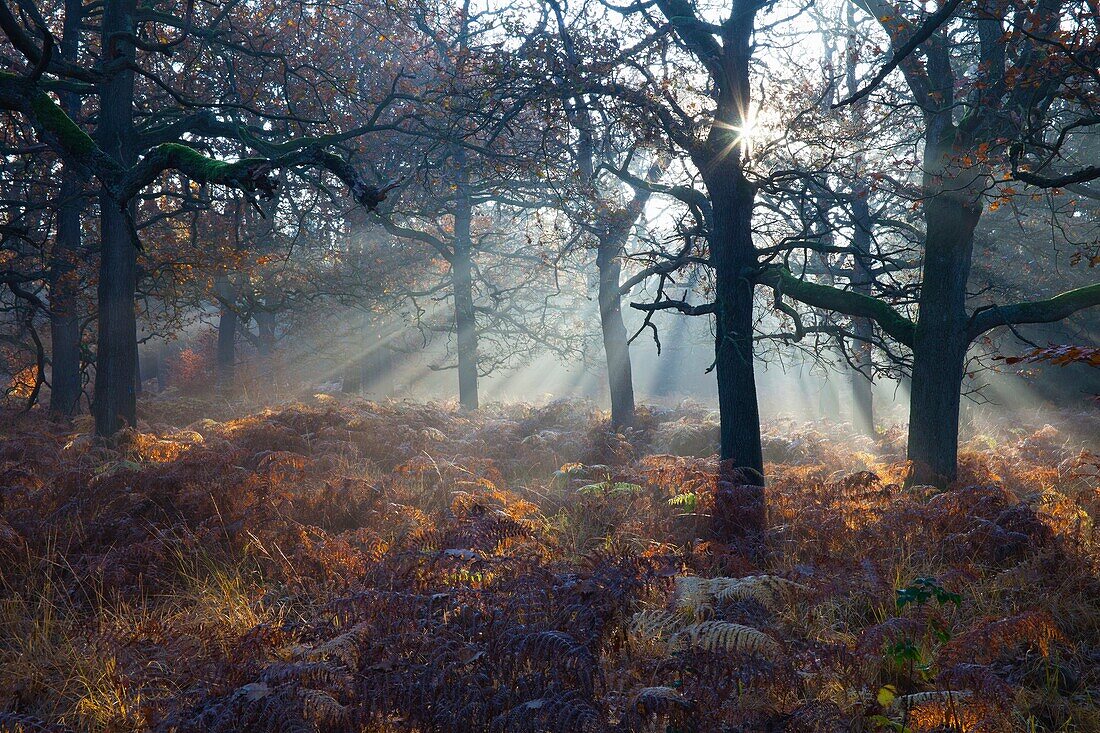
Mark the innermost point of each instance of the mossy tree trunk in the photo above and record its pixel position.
(65, 331)
(115, 403)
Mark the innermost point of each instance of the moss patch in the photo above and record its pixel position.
(53, 119)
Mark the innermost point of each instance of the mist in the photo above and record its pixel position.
(549, 366)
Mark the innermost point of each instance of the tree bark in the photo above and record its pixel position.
(733, 256)
(227, 337)
(738, 517)
(940, 340)
(613, 231)
(265, 335)
(137, 371)
(863, 412)
(355, 370)
(65, 381)
(351, 381)
(620, 379)
(863, 415)
(465, 316)
(732, 253)
(115, 403)
(116, 346)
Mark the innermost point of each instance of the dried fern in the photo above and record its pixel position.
(564, 713)
(721, 636)
(697, 596)
(655, 625)
(344, 648)
(768, 590)
(557, 650)
(421, 594)
(996, 637)
(693, 596)
(658, 705)
(932, 696)
(321, 707)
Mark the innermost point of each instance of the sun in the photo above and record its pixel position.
(743, 135)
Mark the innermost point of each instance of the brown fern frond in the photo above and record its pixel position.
(768, 590)
(320, 675)
(655, 625)
(560, 713)
(890, 631)
(978, 678)
(658, 704)
(940, 696)
(715, 636)
(256, 707)
(697, 597)
(995, 637)
(321, 708)
(344, 648)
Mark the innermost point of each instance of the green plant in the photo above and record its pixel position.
(922, 590)
(607, 487)
(915, 656)
(688, 502)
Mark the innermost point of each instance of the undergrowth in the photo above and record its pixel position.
(354, 566)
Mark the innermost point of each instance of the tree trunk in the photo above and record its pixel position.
(227, 337)
(863, 416)
(828, 400)
(863, 413)
(351, 381)
(227, 342)
(941, 341)
(733, 256)
(377, 361)
(116, 346)
(616, 349)
(265, 342)
(738, 518)
(465, 318)
(739, 512)
(65, 382)
(356, 367)
(162, 366)
(227, 350)
(137, 371)
(614, 230)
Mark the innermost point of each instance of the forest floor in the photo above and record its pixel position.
(341, 565)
